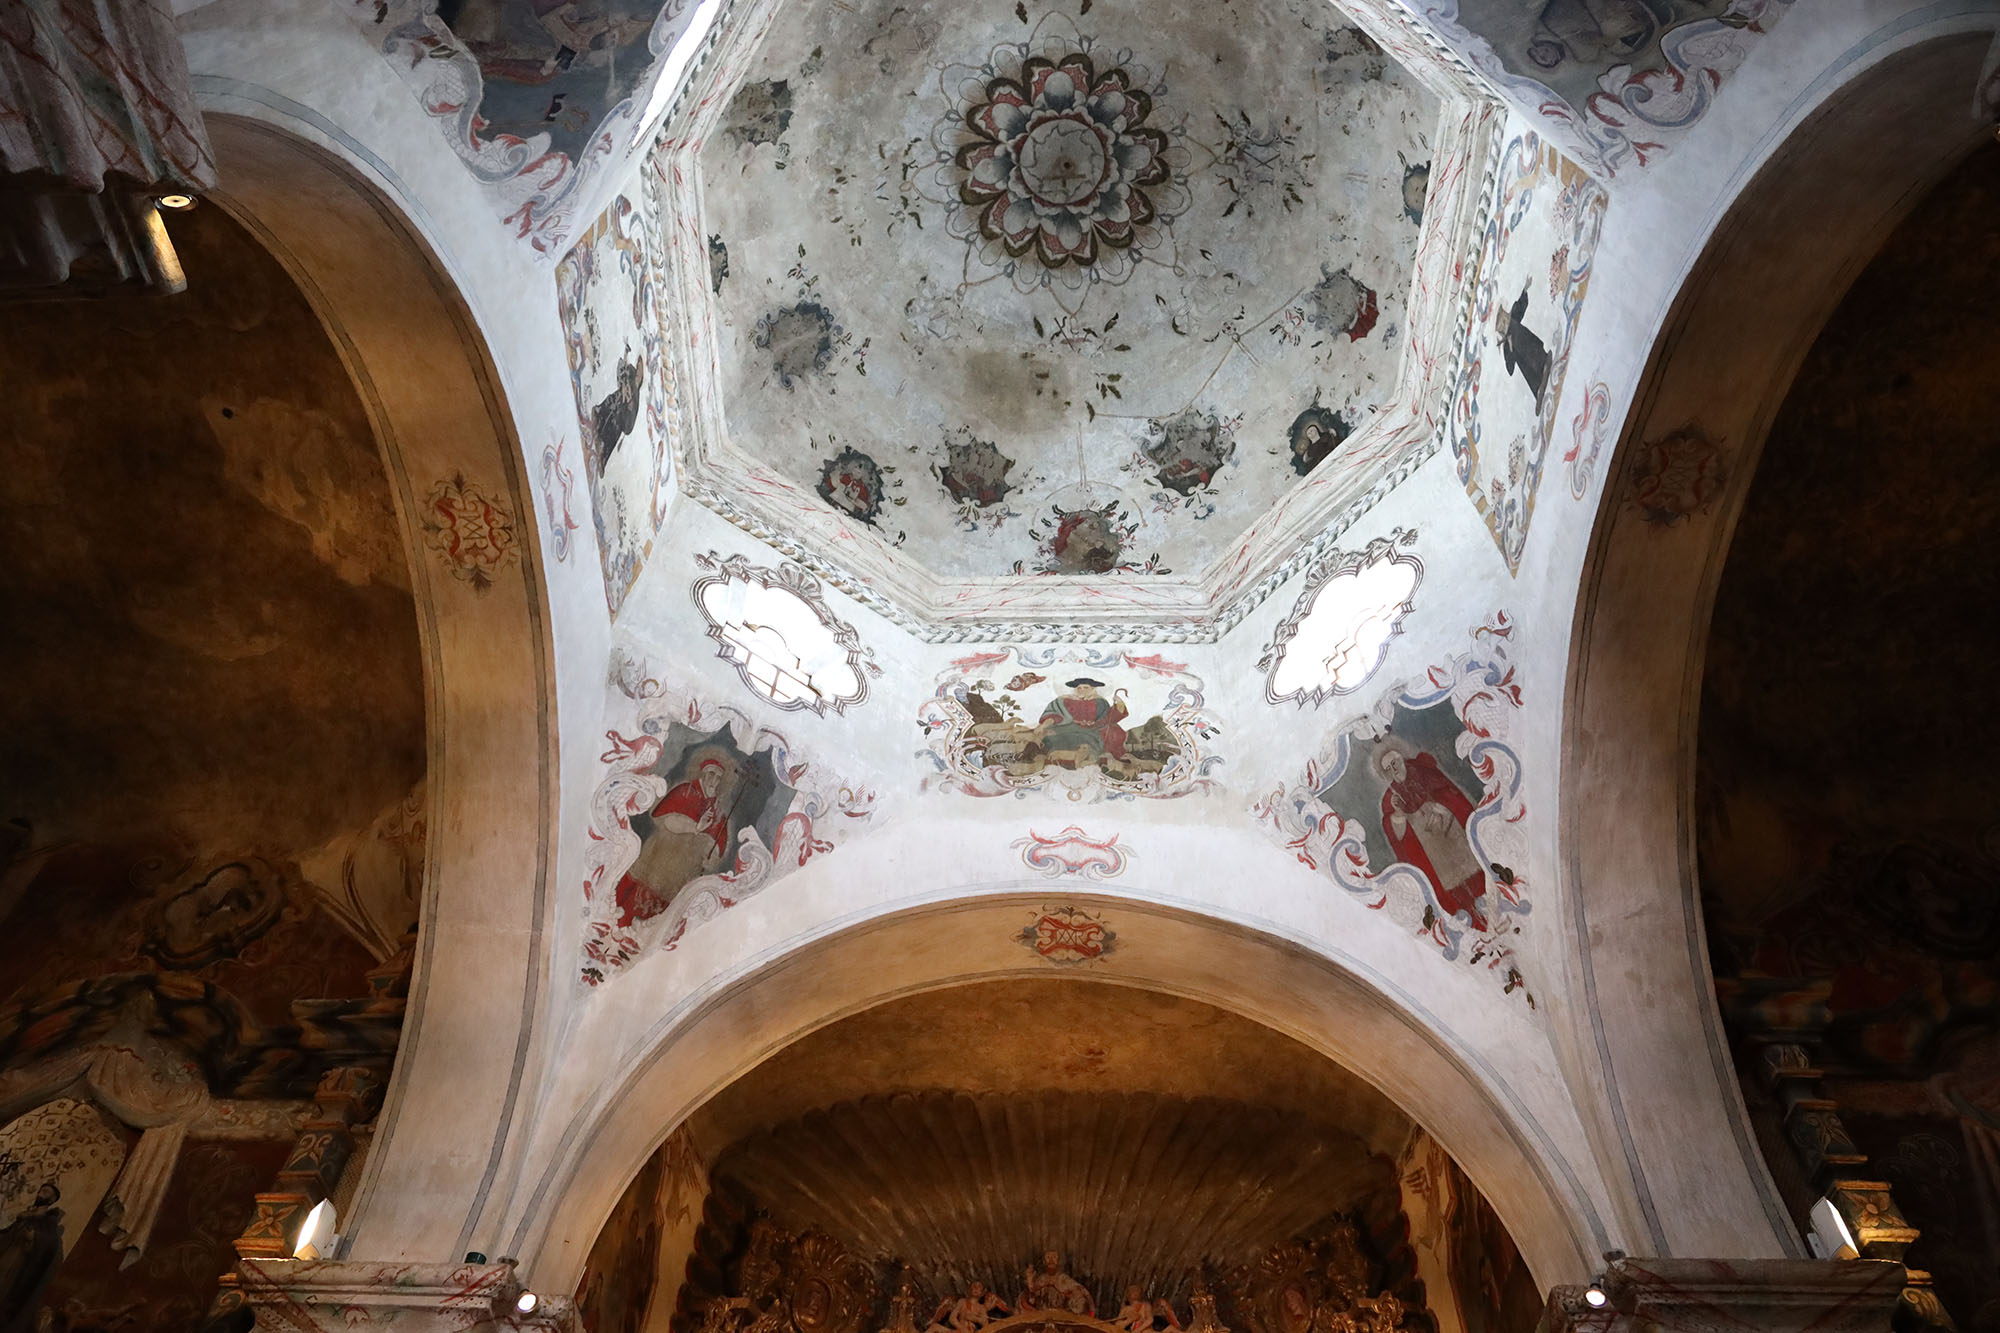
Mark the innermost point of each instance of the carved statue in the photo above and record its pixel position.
(1050, 1288)
(1141, 1314)
(903, 1301)
(968, 1313)
(1202, 1317)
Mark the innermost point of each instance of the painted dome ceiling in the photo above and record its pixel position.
(978, 303)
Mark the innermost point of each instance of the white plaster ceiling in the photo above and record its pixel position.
(1078, 309)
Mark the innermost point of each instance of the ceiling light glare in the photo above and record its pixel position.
(526, 1302)
(316, 1239)
(774, 627)
(176, 203)
(1594, 1297)
(1340, 632)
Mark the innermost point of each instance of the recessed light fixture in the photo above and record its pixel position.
(175, 203)
(526, 1302)
(1594, 1297)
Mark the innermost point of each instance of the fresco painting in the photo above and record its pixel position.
(701, 808)
(605, 288)
(532, 93)
(1416, 808)
(1086, 723)
(1109, 283)
(1619, 80)
(1533, 274)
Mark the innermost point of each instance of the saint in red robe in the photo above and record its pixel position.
(1445, 856)
(641, 892)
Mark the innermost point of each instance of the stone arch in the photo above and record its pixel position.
(432, 391)
(1842, 164)
(793, 987)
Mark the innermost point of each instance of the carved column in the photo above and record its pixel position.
(1713, 1295)
(1783, 1024)
(345, 1099)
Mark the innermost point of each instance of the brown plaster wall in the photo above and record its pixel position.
(215, 660)
(1846, 794)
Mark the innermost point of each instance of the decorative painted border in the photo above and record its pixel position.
(792, 578)
(1482, 688)
(1074, 853)
(1338, 565)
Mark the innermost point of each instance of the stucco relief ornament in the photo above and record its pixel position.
(1054, 170)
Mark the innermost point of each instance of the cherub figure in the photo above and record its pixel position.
(1141, 1315)
(968, 1313)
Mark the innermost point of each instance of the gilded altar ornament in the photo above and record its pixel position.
(1202, 1317)
(903, 1302)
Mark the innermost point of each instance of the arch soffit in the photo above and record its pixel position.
(954, 937)
(1831, 176)
(425, 376)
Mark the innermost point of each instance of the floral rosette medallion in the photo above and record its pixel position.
(1055, 173)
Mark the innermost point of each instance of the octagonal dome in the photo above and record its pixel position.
(1094, 311)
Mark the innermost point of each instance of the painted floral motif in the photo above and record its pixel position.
(800, 339)
(1416, 809)
(1678, 476)
(1067, 935)
(1416, 190)
(1073, 852)
(701, 809)
(852, 483)
(981, 742)
(760, 112)
(1340, 303)
(1090, 540)
(974, 471)
(1061, 161)
(472, 533)
(1314, 435)
(1189, 448)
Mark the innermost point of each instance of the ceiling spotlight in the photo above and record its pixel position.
(526, 1302)
(1594, 1297)
(1831, 1237)
(178, 203)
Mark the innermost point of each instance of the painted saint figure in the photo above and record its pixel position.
(1081, 727)
(615, 415)
(1424, 815)
(1048, 1287)
(969, 1313)
(1525, 354)
(690, 834)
